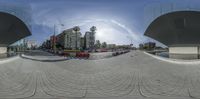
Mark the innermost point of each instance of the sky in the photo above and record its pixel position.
(117, 21)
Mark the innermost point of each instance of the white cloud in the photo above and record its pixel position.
(116, 27)
(132, 35)
(111, 35)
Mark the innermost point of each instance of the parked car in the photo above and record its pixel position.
(83, 54)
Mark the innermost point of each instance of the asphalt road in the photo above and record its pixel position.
(134, 75)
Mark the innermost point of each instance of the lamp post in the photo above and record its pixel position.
(76, 29)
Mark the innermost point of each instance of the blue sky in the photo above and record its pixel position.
(117, 21)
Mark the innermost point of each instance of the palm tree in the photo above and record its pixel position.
(76, 29)
(104, 45)
(98, 44)
(93, 29)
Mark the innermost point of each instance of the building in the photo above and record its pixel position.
(18, 46)
(123, 46)
(180, 31)
(82, 43)
(149, 46)
(111, 46)
(31, 44)
(89, 40)
(14, 26)
(61, 40)
(69, 39)
(53, 40)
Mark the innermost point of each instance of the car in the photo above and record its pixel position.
(83, 54)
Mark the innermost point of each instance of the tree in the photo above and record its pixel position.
(98, 44)
(104, 45)
(93, 29)
(92, 37)
(76, 29)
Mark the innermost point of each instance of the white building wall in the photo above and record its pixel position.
(3, 50)
(75, 40)
(90, 39)
(70, 39)
(183, 50)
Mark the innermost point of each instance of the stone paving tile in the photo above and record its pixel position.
(134, 75)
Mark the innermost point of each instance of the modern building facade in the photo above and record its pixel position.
(82, 43)
(72, 39)
(69, 39)
(180, 31)
(89, 40)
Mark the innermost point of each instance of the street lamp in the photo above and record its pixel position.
(76, 29)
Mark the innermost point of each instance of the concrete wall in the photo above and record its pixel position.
(184, 56)
(3, 50)
(184, 52)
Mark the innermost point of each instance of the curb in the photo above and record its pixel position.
(42, 60)
(2, 61)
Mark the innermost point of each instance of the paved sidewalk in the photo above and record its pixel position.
(134, 75)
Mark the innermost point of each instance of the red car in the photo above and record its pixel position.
(83, 54)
